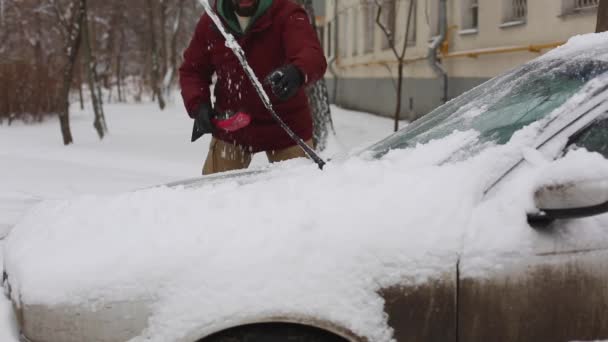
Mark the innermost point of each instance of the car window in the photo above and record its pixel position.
(500, 107)
(593, 138)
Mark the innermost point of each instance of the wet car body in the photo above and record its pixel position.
(559, 293)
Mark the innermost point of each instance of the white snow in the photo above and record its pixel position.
(292, 236)
(317, 244)
(145, 147)
(581, 46)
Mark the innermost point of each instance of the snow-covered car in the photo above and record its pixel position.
(482, 221)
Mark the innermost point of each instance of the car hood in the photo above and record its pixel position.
(241, 177)
(288, 239)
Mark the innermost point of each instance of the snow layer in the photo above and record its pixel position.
(145, 147)
(581, 46)
(307, 242)
(299, 241)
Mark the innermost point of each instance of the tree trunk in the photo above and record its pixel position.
(99, 122)
(119, 76)
(40, 70)
(163, 37)
(72, 46)
(119, 57)
(318, 97)
(602, 16)
(174, 53)
(176, 31)
(79, 80)
(399, 91)
(155, 72)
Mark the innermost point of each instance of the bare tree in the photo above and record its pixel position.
(318, 97)
(163, 36)
(91, 67)
(177, 26)
(73, 27)
(171, 60)
(155, 67)
(602, 16)
(399, 55)
(40, 44)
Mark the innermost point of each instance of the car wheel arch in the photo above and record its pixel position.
(324, 330)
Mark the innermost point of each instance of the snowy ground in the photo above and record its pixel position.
(145, 147)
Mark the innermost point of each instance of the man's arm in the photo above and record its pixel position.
(196, 71)
(302, 46)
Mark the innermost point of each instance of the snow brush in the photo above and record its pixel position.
(240, 54)
(232, 121)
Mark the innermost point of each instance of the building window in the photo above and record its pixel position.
(516, 12)
(585, 4)
(470, 15)
(389, 20)
(579, 6)
(369, 27)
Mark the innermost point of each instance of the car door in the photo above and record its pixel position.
(425, 312)
(560, 291)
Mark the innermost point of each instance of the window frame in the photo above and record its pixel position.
(572, 7)
(512, 15)
(469, 17)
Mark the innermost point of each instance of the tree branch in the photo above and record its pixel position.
(387, 33)
(407, 29)
(60, 17)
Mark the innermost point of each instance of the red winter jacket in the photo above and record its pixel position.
(282, 35)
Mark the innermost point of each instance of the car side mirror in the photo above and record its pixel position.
(569, 200)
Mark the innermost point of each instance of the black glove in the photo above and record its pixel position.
(202, 121)
(285, 81)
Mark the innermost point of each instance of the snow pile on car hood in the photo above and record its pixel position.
(317, 244)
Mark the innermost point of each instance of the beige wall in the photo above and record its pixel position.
(546, 23)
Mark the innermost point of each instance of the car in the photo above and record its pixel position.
(482, 221)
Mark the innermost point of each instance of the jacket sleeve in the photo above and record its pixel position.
(302, 45)
(196, 70)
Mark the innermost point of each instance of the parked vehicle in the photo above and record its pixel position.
(482, 221)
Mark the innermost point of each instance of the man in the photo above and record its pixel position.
(282, 49)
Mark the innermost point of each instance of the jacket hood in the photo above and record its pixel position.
(224, 8)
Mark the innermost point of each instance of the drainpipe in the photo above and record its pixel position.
(332, 62)
(434, 47)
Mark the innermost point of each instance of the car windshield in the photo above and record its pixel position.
(501, 106)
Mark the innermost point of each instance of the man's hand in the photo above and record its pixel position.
(285, 81)
(202, 121)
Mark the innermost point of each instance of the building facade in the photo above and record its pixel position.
(483, 38)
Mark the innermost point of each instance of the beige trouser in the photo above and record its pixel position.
(225, 156)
